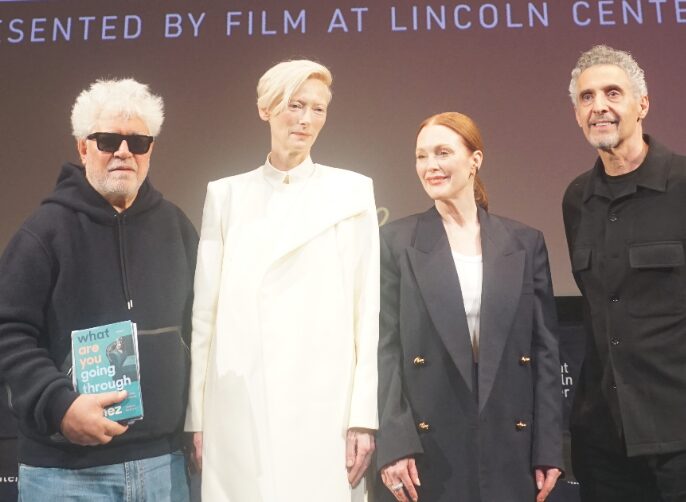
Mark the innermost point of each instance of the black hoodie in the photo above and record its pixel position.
(77, 263)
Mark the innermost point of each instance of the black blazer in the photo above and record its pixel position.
(467, 449)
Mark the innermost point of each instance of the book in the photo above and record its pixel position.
(105, 359)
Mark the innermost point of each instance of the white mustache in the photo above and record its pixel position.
(120, 165)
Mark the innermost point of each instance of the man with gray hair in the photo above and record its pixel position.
(626, 234)
(104, 247)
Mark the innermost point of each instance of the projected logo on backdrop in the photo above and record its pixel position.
(383, 214)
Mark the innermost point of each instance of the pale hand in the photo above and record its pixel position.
(359, 446)
(196, 452)
(546, 477)
(85, 424)
(403, 471)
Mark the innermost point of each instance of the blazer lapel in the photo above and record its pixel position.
(503, 273)
(434, 269)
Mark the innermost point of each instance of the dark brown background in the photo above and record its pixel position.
(512, 81)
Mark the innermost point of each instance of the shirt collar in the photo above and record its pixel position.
(653, 174)
(294, 175)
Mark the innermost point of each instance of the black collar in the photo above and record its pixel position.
(653, 174)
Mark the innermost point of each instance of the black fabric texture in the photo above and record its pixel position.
(77, 263)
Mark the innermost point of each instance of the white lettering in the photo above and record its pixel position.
(289, 22)
(37, 30)
(456, 16)
(337, 22)
(230, 22)
(575, 13)
(508, 15)
(86, 20)
(360, 12)
(658, 8)
(494, 16)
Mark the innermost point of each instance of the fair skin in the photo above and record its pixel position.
(446, 169)
(611, 115)
(293, 133)
(295, 129)
(116, 176)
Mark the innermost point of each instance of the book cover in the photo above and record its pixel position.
(105, 359)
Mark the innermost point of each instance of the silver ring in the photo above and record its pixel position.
(397, 487)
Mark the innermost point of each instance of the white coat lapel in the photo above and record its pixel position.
(503, 274)
(327, 198)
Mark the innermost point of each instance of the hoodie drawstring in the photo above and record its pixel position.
(121, 233)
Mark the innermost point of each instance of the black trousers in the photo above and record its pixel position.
(606, 476)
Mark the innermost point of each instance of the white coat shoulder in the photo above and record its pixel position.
(344, 181)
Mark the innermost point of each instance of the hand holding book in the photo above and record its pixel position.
(104, 362)
(85, 424)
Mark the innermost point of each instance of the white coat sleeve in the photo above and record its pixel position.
(206, 294)
(363, 406)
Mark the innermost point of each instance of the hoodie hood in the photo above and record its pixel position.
(73, 191)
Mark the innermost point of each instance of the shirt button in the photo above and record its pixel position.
(613, 217)
(520, 425)
(614, 341)
(614, 299)
(419, 361)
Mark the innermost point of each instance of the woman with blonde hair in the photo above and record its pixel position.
(283, 398)
(469, 375)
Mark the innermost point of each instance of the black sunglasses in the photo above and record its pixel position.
(111, 141)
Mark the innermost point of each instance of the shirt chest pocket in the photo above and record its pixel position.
(656, 285)
(581, 259)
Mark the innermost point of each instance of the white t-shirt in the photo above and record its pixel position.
(470, 273)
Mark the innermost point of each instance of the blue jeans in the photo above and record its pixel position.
(157, 479)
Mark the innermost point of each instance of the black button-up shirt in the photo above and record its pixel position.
(626, 242)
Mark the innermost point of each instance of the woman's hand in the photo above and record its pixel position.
(400, 478)
(546, 477)
(195, 450)
(359, 446)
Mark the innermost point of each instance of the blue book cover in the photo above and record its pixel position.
(105, 359)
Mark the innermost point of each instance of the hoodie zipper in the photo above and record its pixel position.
(121, 233)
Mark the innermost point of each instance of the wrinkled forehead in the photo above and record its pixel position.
(120, 123)
(603, 75)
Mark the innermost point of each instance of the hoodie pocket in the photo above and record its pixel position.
(164, 363)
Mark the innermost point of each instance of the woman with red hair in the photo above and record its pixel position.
(469, 375)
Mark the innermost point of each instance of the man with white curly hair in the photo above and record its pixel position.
(104, 247)
(626, 235)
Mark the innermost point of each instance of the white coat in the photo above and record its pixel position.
(285, 333)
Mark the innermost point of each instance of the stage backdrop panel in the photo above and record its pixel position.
(505, 63)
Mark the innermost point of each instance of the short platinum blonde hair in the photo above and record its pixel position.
(602, 54)
(278, 84)
(116, 98)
